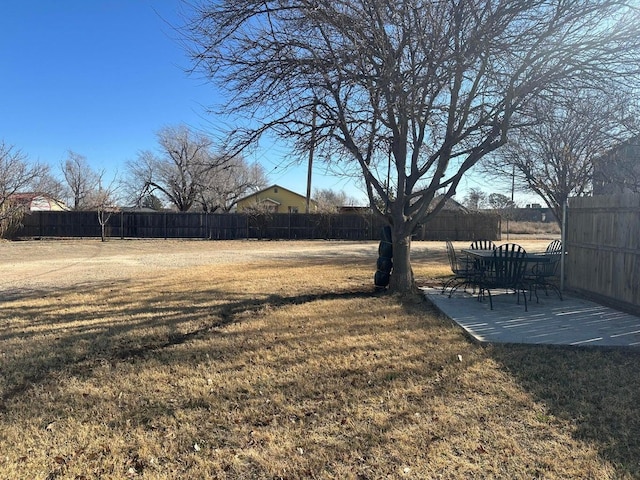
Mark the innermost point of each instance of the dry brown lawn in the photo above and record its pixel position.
(269, 360)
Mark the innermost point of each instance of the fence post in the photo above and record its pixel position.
(563, 234)
(165, 224)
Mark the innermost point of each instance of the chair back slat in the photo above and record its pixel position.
(483, 244)
(554, 252)
(451, 254)
(508, 264)
(554, 247)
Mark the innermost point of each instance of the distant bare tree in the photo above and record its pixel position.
(260, 216)
(180, 171)
(224, 185)
(105, 204)
(554, 154)
(82, 181)
(499, 201)
(49, 185)
(16, 174)
(475, 199)
(412, 92)
(330, 201)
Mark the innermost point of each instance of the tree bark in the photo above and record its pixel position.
(402, 280)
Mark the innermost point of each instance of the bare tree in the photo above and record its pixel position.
(16, 174)
(500, 202)
(82, 182)
(330, 201)
(553, 156)
(475, 199)
(618, 171)
(49, 185)
(225, 185)
(105, 205)
(414, 92)
(181, 170)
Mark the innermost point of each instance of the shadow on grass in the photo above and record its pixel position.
(62, 334)
(321, 385)
(595, 389)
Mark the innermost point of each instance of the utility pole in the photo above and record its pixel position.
(513, 188)
(311, 151)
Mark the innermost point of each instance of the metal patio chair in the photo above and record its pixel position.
(505, 270)
(483, 244)
(543, 275)
(463, 271)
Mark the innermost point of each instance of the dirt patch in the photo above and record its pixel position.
(46, 265)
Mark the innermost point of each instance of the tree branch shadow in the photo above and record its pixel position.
(593, 388)
(174, 323)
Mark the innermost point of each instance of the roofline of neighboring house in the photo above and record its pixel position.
(28, 197)
(270, 200)
(275, 185)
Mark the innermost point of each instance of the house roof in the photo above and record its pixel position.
(25, 197)
(450, 204)
(271, 187)
(36, 200)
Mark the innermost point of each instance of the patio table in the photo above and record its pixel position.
(502, 275)
(487, 255)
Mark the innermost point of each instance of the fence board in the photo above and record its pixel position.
(444, 226)
(603, 245)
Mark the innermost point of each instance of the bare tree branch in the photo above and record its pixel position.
(553, 156)
(441, 83)
(82, 182)
(180, 171)
(16, 174)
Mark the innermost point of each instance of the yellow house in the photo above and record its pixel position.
(276, 199)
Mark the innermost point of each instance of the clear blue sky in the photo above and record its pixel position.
(101, 77)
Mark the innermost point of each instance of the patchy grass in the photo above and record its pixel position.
(269, 370)
(530, 228)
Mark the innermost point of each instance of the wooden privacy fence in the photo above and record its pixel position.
(603, 249)
(444, 226)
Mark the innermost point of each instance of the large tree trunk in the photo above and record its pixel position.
(402, 280)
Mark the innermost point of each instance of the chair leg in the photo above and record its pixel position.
(544, 285)
(558, 292)
(446, 284)
(456, 286)
(555, 289)
(453, 284)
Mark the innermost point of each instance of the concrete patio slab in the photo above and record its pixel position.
(572, 321)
